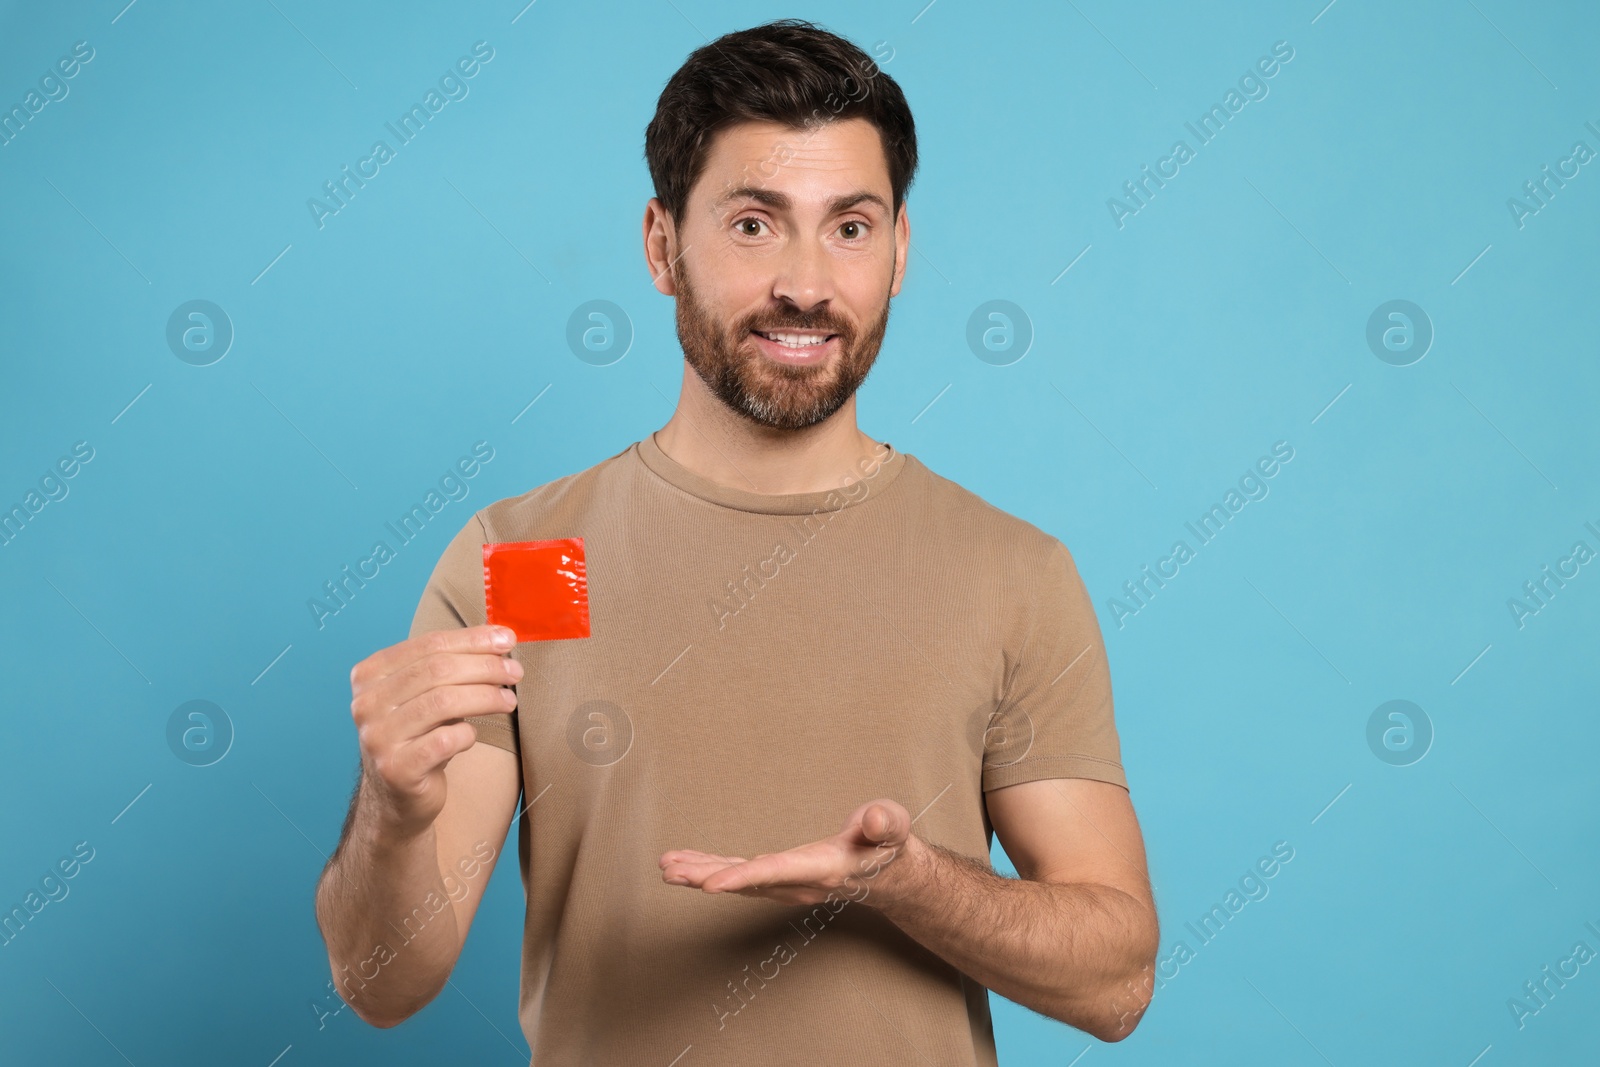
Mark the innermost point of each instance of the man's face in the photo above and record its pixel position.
(786, 259)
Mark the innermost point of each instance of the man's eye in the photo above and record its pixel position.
(751, 221)
(858, 228)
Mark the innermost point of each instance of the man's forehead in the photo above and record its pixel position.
(811, 163)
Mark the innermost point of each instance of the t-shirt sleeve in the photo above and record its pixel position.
(453, 598)
(1055, 719)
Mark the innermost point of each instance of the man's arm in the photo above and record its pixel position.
(398, 896)
(1073, 936)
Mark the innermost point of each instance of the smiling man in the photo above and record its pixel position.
(757, 803)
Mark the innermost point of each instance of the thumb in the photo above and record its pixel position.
(885, 822)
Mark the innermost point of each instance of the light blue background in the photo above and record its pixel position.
(1228, 314)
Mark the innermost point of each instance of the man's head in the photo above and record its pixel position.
(781, 157)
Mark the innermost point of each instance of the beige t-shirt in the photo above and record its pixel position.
(759, 667)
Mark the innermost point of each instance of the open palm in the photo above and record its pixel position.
(807, 874)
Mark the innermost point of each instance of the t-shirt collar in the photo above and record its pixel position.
(871, 478)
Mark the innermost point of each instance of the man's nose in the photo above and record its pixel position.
(805, 277)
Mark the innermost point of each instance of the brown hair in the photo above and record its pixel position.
(788, 71)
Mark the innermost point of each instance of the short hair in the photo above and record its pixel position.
(788, 71)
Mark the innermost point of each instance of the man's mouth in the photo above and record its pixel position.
(798, 339)
(797, 348)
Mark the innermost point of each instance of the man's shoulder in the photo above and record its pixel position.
(554, 508)
(956, 511)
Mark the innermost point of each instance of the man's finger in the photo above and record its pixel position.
(698, 873)
(795, 867)
(881, 824)
(385, 662)
(447, 704)
(697, 870)
(691, 855)
(421, 756)
(418, 687)
(884, 822)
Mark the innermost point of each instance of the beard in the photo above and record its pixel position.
(768, 393)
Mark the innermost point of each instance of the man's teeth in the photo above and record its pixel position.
(795, 340)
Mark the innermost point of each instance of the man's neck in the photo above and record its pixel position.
(718, 444)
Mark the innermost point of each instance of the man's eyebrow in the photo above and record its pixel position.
(781, 202)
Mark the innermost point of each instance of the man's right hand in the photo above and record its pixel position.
(408, 702)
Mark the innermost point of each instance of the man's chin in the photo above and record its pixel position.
(773, 405)
(773, 393)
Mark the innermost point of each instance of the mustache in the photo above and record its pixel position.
(823, 323)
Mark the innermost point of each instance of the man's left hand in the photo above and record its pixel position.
(875, 836)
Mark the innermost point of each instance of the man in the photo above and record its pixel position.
(757, 802)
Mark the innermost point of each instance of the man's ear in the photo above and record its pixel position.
(902, 247)
(660, 246)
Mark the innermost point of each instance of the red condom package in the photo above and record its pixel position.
(537, 588)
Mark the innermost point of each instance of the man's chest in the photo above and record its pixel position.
(767, 668)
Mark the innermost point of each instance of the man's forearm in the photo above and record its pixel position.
(1072, 951)
(390, 946)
